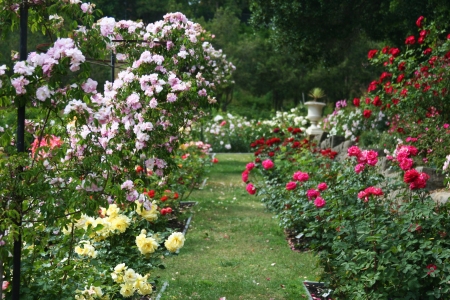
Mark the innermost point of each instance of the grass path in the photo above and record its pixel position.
(234, 248)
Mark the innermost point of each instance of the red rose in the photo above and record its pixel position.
(410, 40)
(175, 195)
(271, 153)
(420, 40)
(215, 160)
(427, 51)
(394, 52)
(151, 193)
(367, 113)
(372, 86)
(377, 101)
(372, 53)
(448, 36)
(275, 130)
(367, 100)
(401, 66)
(410, 176)
(385, 50)
(139, 169)
(395, 101)
(400, 78)
(164, 198)
(356, 102)
(419, 21)
(257, 160)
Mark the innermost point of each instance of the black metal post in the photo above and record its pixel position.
(17, 252)
(113, 67)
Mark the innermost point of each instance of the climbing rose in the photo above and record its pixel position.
(372, 53)
(251, 189)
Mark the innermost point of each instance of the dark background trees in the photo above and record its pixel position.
(284, 48)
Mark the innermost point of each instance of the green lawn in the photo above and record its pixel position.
(234, 248)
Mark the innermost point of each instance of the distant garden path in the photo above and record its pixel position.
(234, 248)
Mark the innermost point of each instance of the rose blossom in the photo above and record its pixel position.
(311, 194)
(250, 166)
(300, 176)
(322, 186)
(291, 185)
(245, 176)
(359, 168)
(268, 164)
(251, 189)
(354, 151)
(319, 202)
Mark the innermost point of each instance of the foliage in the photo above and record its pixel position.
(412, 92)
(375, 237)
(87, 150)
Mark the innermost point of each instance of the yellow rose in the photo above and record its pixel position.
(120, 223)
(150, 215)
(145, 289)
(126, 290)
(113, 210)
(130, 276)
(175, 241)
(146, 244)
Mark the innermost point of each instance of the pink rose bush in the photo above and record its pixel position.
(97, 158)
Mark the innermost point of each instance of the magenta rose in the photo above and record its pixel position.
(420, 182)
(300, 176)
(291, 185)
(359, 168)
(250, 166)
(251, 189)
(353, 151)
(372, 157)
(322, 186)
(267, 164)
(319, 202)
(245, 176)
(406, 164)
(312, 194)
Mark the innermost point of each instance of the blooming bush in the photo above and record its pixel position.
(94, 157)
(232, 133)
(412, 93)
(366, 229)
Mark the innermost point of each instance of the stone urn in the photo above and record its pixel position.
(314, 115)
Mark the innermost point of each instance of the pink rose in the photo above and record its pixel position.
(420, 182)
(291, 185)
(406, 164)
(5, 285)
(245, 176)
(300, 176)
(267, 164)
(322, 186)
(372, 157)
(359, 168)
(311, 194)
(250, 166)
(319, 202)
(251, 189)
(353, 151)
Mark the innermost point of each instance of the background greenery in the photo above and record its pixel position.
(284, 48)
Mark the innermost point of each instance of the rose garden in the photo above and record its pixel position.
(100, 181)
